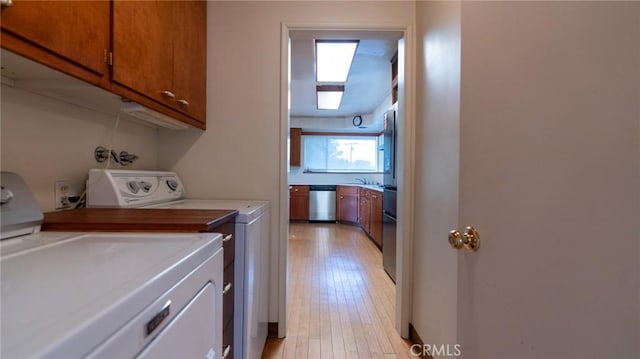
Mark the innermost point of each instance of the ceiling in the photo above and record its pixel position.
(369, 82)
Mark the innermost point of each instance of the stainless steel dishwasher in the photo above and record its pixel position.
(322, 203)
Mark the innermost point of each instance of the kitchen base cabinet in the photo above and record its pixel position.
(299, 203)
(370, 214)
(375, 217)
(347, 204)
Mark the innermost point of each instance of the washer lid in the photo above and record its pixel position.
(63, 298)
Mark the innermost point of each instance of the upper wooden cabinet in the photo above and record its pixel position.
(69, 36)
(159, 51)
(295, 147)
(150, 52)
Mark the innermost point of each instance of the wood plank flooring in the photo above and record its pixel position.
(341, 302)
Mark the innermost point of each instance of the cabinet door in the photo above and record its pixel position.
(376, 217)
(299, 203)
(347, 203)
(295, 147)
(364, 211)
(189, 55)
(70, 36)
(143, 47)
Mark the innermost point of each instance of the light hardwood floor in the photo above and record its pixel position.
(341, 302)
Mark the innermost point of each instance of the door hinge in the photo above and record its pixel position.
(110, 58)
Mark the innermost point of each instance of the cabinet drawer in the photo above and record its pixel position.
(299, 190)
(348, 190)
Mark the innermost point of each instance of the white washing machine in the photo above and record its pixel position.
(160, 189)
(105, 295)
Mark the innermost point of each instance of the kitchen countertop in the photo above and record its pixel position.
(135, 220)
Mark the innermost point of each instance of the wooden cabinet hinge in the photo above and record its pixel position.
(110, 58)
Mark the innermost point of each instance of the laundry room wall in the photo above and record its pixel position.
(46, 140)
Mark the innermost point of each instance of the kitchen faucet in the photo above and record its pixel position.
(363, 180)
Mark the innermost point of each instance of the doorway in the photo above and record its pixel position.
(404, 168)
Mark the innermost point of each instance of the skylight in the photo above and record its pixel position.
(329, 97)
(333, 59)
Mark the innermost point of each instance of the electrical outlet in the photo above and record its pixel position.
(63, 191)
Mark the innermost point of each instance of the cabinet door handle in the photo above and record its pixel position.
(168, 94)
(183, 102)
(227, 288)
(6, 2)
(226, 351)
(227, 238)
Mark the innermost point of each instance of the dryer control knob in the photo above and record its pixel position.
(172, 184)
(133, 186)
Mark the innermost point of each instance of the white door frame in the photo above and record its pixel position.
(406, 167)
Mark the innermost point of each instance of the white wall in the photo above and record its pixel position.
(239, 155)
(46, 140)
(437, 169)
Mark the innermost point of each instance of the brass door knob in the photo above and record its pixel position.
(455, 239)
(470, 239)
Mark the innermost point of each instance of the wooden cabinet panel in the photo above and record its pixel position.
(299, 203)
(370, 214)
(364, 210)
(70, 36)
(375, 217)
(190, 58)
(347, 203)
(143, 47)
(164, 56)
(295, 147)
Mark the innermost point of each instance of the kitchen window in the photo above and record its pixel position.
(341, 153)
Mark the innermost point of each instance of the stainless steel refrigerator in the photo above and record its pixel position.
(389, 198)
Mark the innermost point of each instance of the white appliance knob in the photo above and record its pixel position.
(133, 187)
(172, 184)
(146, 186)
(5, 195)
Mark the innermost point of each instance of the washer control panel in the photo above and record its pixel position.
(122, 188)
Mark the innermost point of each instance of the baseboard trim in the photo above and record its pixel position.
(416, 339)
(272, 330)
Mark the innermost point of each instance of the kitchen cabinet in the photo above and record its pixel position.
(69, 36)
(162, 57)
(370, 214)
(295, 147)
(347, 204)
(299, 203)
(150, 52)
(364, 210)
(375, 217)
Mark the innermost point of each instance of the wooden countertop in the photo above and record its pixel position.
(135, 220)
